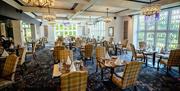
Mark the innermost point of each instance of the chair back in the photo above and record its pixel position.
(10, 67)
(63, 55)
(133, 50)
(88, 50)
(100, 51)
(56, 49)
(174, 58)
(142, 45)
(74, 81)
(124, 43)
(22, 54)
(131, 73)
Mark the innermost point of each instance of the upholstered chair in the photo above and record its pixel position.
(55, 52)
(124, 45)
(8, 72)
(74, 81)
(173, 60)
(88, 52)
(136, 55)
(100, 53)
(63, 55)
(22, 54)
(128, 77)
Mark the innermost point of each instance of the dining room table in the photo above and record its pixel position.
(62, 68)
(112, 63)
(150, 53)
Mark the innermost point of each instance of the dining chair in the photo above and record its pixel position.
(173, 60)
(55, 52)
(88, 52)
(100, 53)
(22, 54)
(124, 45)
(74, 81)
(128, 77)
(8, 72)
(135, 54)
(142, 46)
(32, 52)
(64, 54)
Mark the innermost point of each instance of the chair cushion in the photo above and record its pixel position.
(140, 55)
(4, 83)
(163, 61)
(118, 81)
(120, 74)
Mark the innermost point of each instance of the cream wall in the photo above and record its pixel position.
(118, 28)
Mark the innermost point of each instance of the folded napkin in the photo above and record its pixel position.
(68, 62)
(5, 54)
(107, 56)
(118, 61)
(72, 67)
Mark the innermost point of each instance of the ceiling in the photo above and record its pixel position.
(82, 9)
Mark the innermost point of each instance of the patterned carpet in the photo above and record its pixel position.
(37, 75)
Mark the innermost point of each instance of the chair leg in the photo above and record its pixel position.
(179, 69)
(132, 58)
(135, 88)
(167, 70)
(158, 66)
(101, 74)
(96, 68)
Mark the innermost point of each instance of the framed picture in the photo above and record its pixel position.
(111, 31)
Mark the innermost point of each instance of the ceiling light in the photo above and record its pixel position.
(151, 9)
(39, 3)
(107, 18)
(49, 17)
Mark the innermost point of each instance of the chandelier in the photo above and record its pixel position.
(107, 18)
(90, 22)
(39, 3)
(49, 17)
(151, 9)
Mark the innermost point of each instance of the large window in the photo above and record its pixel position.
(159, 33)
(98, 29)
(66, 29)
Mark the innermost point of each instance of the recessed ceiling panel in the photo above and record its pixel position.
(104, 9)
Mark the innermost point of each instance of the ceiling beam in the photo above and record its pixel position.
(13, 3)
(64, 18)
(79, 11)
(45, 10)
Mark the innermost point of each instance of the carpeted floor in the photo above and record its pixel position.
(37, 76)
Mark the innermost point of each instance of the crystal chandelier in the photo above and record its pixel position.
(39, 3)
(151, 9)
(49, 17)
(107, 19)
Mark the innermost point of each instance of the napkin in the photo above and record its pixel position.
(4, 54)
(107, 56)
(72, 68)
(68, 62)
(118, 61)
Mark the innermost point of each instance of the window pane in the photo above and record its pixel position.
(172, 40)
(141, 23)
(150, 23)
(160, 40)
(150, 40)
(140, 36)
(175, 19)
(162, 23)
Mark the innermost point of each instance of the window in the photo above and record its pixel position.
(159, 33)
(98, 29)
(66, 29)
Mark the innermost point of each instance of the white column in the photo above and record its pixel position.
(17, 32)
(33, 32)
(2, 29)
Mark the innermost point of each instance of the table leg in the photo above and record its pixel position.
(112, 71)
(154, 58)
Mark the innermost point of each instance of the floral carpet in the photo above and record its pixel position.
(37, 76)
